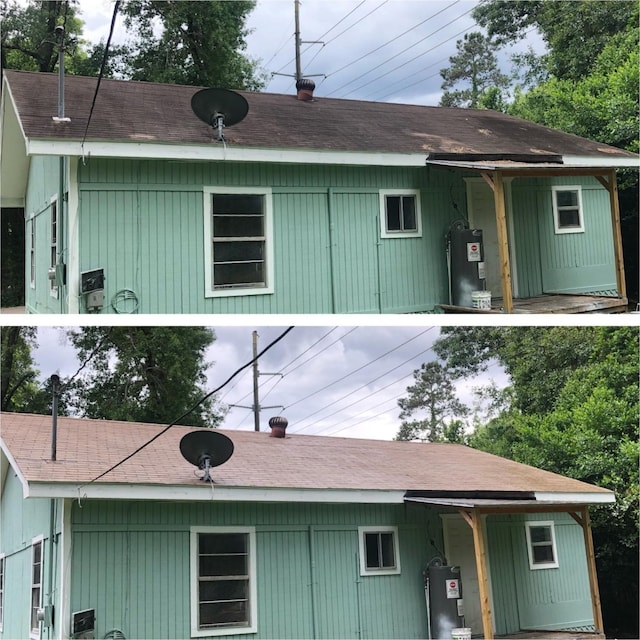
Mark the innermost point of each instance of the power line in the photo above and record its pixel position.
(195, 406)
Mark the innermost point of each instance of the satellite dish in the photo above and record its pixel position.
(206, 449)
(219, 108)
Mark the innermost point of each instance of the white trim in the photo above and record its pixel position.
(604, 497)
(54, 202)
(267, 195)
(384, 232)
(540, 524)
(194, 573)
(556, 217)
(213, 151)
(64, 621)
(204, 492)
(600, 161)
(16, 469)
(73, 238)
(34, 541)
(381, 571)
(3, 582)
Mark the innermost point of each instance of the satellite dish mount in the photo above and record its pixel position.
(206, 449)
(219, 108)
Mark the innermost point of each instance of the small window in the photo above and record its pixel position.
(541, 545)
(379, 550)
(400, 214)
(2, 570)
(238, 237)
(223, 581)
(567, 209)
(54, 245)
(36, 585)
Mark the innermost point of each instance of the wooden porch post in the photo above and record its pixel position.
(585, 522)
(611, 186)
(475, 522)
(496, 183)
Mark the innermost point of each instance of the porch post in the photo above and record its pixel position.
(481, 567)
(612, 187)
(497, 184)
(585, 523)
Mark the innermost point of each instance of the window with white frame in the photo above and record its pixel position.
(541, 545)
(400, 213)
(37, 550)
(2, 572)
(223, 581)
(238, 241)
(567, 209)
(32, 252)
(379, 553)
(54, 244)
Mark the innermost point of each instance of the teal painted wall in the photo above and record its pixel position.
(142, 221)
(43, 184)
(551, 599)
(562, 263)
(21, 521)
(130, 562)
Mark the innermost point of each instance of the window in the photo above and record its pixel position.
(2, 563)
(567, 209)
(36, 585)
(400, 214)
(238, 241)
(541, 545)
(379, 550)
(223, 581)
(54, 245)
(32, 252)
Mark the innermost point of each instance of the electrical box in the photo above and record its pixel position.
(92, 286)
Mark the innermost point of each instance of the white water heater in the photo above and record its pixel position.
(446, 610)
(466, 265)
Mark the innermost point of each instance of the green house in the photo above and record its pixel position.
(307, 205)
(296, 537)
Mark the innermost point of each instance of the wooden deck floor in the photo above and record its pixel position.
(556, 303)
(554, 635)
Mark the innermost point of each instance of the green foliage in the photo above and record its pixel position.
(19, 388)
(201, 43)
(433, 397)
(476, 67)
(144, 374)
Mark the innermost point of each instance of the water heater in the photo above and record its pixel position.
(466, 265)
(446, 612)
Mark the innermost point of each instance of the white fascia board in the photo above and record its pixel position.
(600, 161)
(208, 492)
(217, 152)
(7, 458)
(576, 498)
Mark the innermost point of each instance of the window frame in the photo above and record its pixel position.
(530, 544)
(384, 227)
(560, 230)
(54, 223)
(379, 571)
(196, 632)
(3, 573)
(267, 195)
(36, 632)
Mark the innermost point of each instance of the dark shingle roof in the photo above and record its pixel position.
(158, 113)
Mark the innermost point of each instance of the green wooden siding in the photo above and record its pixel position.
(131, 562)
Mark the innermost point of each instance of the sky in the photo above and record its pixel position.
(381, 50)
(336, 380)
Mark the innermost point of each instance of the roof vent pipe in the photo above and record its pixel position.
(305, 88)
(55, 390)
(278, 426)
(61, 117)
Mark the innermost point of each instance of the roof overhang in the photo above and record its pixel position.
(14, 161)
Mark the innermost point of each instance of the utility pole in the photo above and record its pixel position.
(255, 407)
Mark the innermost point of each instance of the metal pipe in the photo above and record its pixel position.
(55, 382)
(60, 31)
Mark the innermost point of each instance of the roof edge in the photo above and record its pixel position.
(7, 459)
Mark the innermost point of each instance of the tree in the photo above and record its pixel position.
(476, 66)
(19, 388)
(28, 40)
(573, 409)
(201, 43)
(434, 397)
(144, 374)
